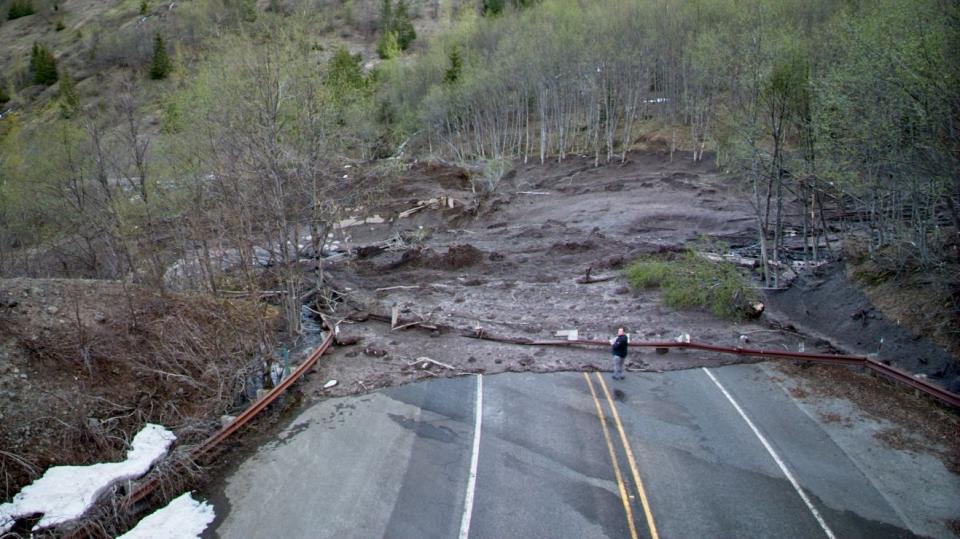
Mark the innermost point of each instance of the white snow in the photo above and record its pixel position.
(182, 518)
(66, 492)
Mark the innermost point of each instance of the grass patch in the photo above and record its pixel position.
(692, 281)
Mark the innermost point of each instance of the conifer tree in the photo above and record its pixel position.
(43, 66)
(161, 65)
(453, 72)
(69, 97)
(406, 34)
(388, 47)
(20, 8)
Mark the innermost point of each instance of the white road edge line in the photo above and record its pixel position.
(474, 459)
(776, 458)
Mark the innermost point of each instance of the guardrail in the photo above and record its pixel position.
(893, 373)
(147, 487)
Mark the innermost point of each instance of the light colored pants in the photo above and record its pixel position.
(617, 366)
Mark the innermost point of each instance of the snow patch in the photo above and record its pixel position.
(182, 518)
(64, 493)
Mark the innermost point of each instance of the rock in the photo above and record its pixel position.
(226, 420)
(99, 318)
(53, 309)
(375, 352)
(329, 384)
(621, 290)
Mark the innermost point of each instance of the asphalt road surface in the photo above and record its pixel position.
(701, 453)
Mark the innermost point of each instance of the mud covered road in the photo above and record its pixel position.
(511, 268)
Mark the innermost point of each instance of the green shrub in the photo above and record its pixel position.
(395, 21)
(692, 281)
(644, 274)
(19, 8)
(388, 47)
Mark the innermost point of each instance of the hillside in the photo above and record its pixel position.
(187, 188)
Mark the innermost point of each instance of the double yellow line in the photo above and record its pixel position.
(616, 464)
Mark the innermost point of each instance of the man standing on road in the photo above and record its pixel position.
(618, 350)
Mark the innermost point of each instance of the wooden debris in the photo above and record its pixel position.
(425, 359)
(587, 279)
(398, 287)
(411, 211)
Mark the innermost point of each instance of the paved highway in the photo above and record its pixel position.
(701, 453)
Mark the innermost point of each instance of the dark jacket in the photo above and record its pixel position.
(619, 347)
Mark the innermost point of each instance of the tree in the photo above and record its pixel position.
(144, 8)
(69, 97)
(43, 66)
(161, 66)
(406, 33)
(4, 93)
(345, 73)
(455, 70)
(19, 8)
(493, 7)
(388, 47)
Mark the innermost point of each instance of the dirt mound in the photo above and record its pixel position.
(458, 256)
(445, 175)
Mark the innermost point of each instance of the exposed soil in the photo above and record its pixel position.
(511, 268)
(826, 303)
(506, 263)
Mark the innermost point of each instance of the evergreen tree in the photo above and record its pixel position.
(345, 72)
(43, 66)
(144, 7)
(248, 10)
(388, 47)
(19, 8)
(161, 65)
(4, 94)
(406, 34)
(493, 7)
(69, 97)
(453, 72)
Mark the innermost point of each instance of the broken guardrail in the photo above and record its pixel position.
(146, 488)
(893, 373)
(874, 365)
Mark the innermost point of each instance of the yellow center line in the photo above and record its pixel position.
(633, 463)
(613, 458)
